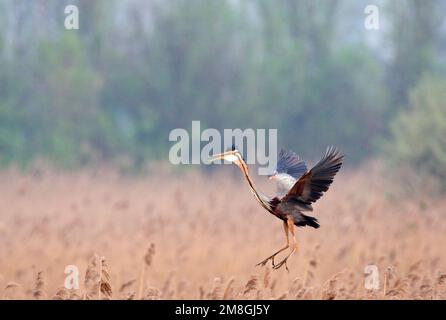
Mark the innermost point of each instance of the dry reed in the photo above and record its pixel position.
(209, 234)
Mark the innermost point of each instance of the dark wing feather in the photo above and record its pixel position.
(290, 163)
(315, 182)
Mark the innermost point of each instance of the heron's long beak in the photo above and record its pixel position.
(228, 156)
(216, 157)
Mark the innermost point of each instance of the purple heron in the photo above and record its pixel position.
(297, 187)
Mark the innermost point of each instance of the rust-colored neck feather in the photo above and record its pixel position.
(260, 197)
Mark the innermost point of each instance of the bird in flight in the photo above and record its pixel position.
(297, 189)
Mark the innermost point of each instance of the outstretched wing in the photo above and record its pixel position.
(290, 163)
(310, 187)
(289, 169)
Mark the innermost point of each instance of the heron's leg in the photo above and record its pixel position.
(287, 245)
(290, 225)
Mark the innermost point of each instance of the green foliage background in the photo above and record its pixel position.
(418, 133)
(112, 90)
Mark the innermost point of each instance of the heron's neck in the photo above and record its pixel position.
(260, 197)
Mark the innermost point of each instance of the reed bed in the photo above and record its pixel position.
(199, 236)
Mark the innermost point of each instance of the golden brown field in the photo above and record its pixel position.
(199, 236)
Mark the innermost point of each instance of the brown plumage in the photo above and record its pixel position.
(299, 198)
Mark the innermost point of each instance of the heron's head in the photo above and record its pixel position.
(232, 156)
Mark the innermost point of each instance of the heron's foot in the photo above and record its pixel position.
(280, 264)
(284, 261)
(271, 257)
(264, 262)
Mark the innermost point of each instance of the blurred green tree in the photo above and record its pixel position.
(112, 90)
(62, 109)
(419, 131)
(415, 40)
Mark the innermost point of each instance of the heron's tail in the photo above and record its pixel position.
(309, 221)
